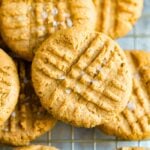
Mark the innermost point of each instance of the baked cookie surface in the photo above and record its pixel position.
(36, 147)
(9, 86)
(81, 77)
(25, 24)
(117, 17)
(134, 122)
(29, 120)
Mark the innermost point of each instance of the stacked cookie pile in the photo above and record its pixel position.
(62, 63)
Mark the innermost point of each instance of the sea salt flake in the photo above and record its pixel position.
(54, 11)
(99, 68)
(131, 106)
(13, 114)
(63, 77)
(67, 15)
(44, 15)
(68, 91)
(69, 22)
(41, 28)
(55, 23)
(137, 76)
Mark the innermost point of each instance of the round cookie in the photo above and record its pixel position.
(36, 147)
(81, 77)
(29, 120)
(9, 86)
(116, 18)
(25, 24)
(134, 122)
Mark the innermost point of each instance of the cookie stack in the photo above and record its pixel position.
(63, 63)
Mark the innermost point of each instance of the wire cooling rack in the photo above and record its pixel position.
(66, 137)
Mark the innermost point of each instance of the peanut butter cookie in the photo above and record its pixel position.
(134, 122)
(81, 77)
(25, 24)
(9, 86)
(36, 147)
(29, 120)
(117, 17)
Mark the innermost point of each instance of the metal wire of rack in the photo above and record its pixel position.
(66, 137)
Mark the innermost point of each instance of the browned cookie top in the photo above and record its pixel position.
(25, 24)
(134, 122)
(117, 17)
(81, 77)
(36, 147)
(29, 119)
(9, 86)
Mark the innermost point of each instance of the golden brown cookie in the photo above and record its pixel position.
(36, 147)
(81, 77)
(134, 122)
(9, 86)
(133, 148)
(29, 120)
(117, 17)
(25, 24)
